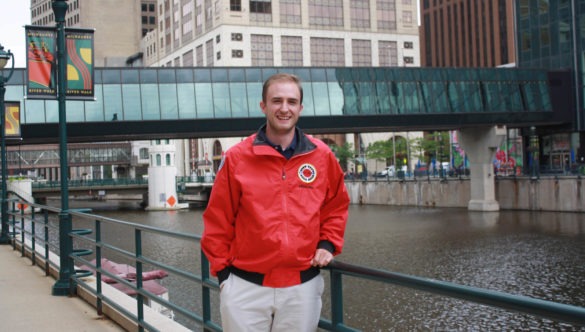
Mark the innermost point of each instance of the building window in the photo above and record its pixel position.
(292, 50)
(218, 55)
(188, 59)
(209, 52)
(236, 5)
(262, 54)
(388, 53)
(260, 11)
(361, 53)
(386, 14)
(360, 14)
(327, 52)
(326, 13)
(407, 17)
(217, 39)
(260, 6)
(199, 54)
(143, 153)
(168, 159)
(290, 12)
(158, 160)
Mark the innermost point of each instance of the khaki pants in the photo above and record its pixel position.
(246, 306)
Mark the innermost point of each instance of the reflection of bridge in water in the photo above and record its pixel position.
(189, 189)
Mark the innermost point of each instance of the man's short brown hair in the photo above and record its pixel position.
(282, 77)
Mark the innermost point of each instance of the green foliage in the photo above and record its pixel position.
(343, 153)
(424, 148)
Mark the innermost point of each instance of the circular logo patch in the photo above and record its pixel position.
(307, 173)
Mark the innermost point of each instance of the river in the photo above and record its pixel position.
(535, 254)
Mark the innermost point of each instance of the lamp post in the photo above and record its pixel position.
(4, 57)
(63, 286)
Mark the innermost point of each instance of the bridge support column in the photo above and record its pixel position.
(480, 145)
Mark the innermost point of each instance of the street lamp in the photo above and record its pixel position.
(5, 56)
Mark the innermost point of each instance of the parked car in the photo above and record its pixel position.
(389, 171)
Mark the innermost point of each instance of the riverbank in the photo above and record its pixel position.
(560, 194)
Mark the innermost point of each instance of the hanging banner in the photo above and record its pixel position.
(40, 63)
(12, 120)
(80, 69)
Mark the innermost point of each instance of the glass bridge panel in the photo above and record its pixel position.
(131, 103)
(320, 99)
(221, 100)
(238, 100)
(191, 93)
(169, 109)
(186, 100)
(51, 111)
(336, 98)
(204, 100)
(254, 92)
(75, 111)
(150, 102)
(94, 109)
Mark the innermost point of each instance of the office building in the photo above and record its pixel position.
(549, 36)
(463, 33)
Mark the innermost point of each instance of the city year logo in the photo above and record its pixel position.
(307, 173)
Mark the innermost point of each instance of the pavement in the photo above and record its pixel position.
(26, 303)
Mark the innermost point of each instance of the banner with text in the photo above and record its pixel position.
(80, 69)
(40, 63)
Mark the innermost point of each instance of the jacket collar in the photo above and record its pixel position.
(303, 143)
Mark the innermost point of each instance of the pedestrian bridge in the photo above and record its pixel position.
(150, 103)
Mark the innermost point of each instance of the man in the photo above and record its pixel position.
(276, 214)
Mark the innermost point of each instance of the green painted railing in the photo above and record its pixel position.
(90, 240)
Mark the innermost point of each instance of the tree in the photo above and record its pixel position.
(388, 150)
(344, 153)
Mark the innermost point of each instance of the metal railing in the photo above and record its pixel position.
(91, 241)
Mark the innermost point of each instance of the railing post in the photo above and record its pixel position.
(34, 235)
(336, 299)
(46, 231)
(139, 297)
(98, 264)
(205, 291)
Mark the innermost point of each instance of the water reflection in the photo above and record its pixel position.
(536, 254)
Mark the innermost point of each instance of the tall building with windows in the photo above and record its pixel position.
(282, 33)
(550, 35)
(464, 33)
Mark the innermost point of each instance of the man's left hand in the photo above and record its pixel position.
(322, 258)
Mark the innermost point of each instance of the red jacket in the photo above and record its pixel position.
(267, 214)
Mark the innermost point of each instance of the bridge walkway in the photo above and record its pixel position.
(26, 302)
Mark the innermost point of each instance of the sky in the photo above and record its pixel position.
(14, 15)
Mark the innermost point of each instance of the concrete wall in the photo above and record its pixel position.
(545, 194)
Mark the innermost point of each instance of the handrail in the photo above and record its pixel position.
(97, 244)
(552, 310)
